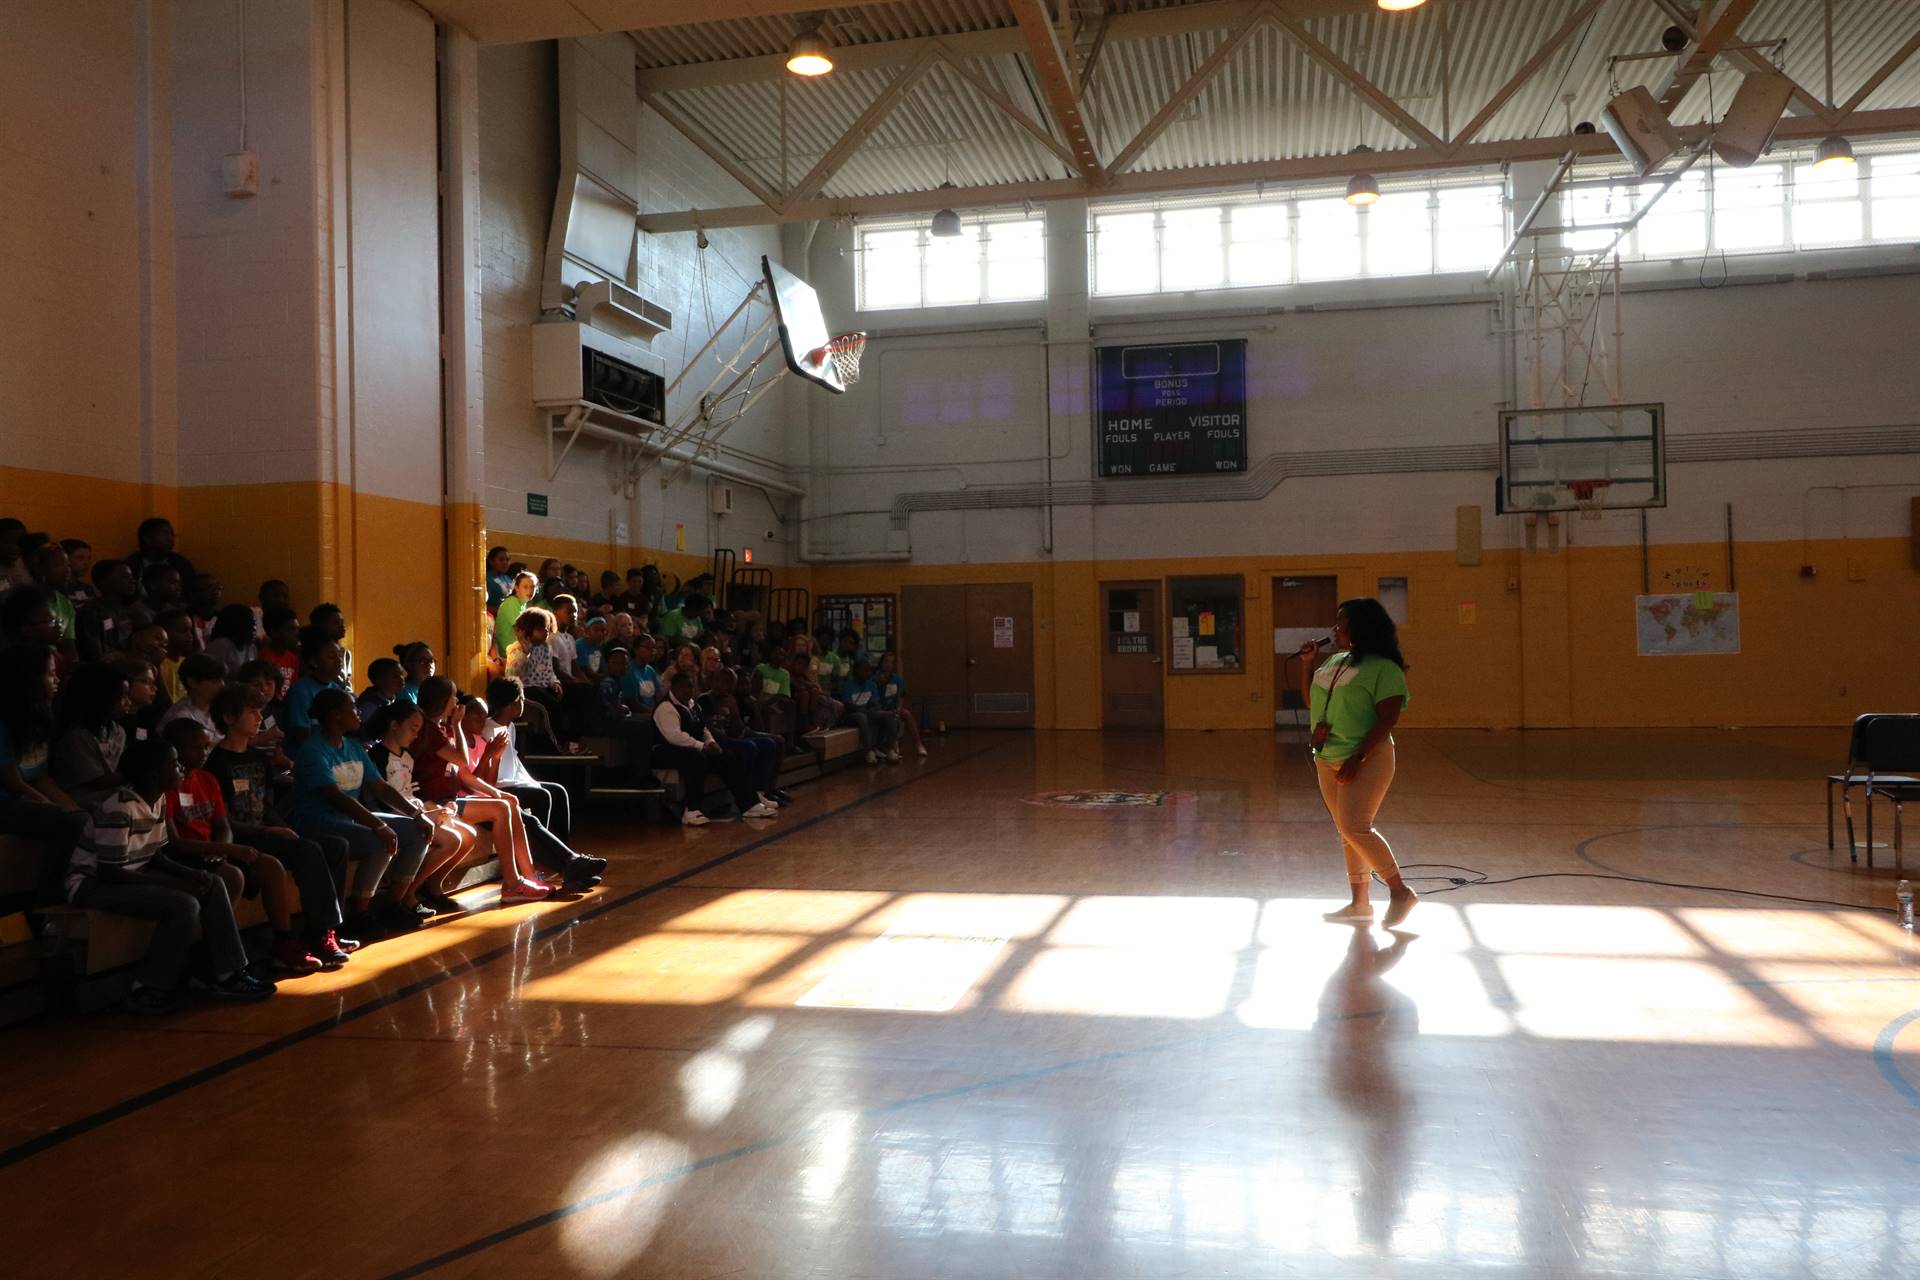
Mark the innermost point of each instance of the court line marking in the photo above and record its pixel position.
(1888, 1064)
(65, 1133)
(685, 1171)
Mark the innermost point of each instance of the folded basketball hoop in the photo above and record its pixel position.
(844, 351)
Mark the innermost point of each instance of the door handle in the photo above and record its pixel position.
(1156, 659)
(973, 662)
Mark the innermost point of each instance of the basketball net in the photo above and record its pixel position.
(844, 350)
(1590, 496)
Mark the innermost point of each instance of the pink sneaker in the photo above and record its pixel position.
(524, 891)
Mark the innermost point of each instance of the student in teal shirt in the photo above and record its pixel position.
(1356, 697)
(879, 730)
(893, 697)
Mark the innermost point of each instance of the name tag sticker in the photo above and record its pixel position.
(241, 785)
(186, 798)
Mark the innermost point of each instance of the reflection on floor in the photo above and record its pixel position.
(944, 1032)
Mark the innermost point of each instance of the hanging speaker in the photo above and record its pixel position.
(1747, 131)
(1640, 129)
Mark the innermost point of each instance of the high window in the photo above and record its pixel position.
(992, 260)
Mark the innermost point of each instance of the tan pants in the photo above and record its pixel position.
(1353, 805)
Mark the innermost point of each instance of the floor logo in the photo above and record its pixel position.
(1103, 799)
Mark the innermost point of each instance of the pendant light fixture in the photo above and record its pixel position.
(807, 53)
(1362, 189)
(1834, 153)
(946, 223)
(1400, 6)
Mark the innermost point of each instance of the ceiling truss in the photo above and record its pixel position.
(1064, 52)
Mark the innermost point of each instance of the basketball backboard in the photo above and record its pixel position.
(1585, 458)
(803, 330)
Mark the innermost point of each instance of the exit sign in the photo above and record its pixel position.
(536, 504)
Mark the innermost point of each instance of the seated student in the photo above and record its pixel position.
(641, 687)
(711, 661)
(32, 804)
(689, 621)
(339, 792)
(274, 594)
(108, 623)
(607, 599)
(162, 587)
(331, 623)
(199, 836)
(263, 678)
(230, 640)
(878, 729)
(772, 701)
(386, 683)
(390, 737)
(27, 617)
(510, 608)
(318, 867)
(624, 630)
(200, 679)
(123, 865)
(13, 573)
(893, 697)
(156, 538)
(530, 661)
(688, 746)
(319, 670)
(560, 639)
(86, 753)
(590, 648)
(417, 663)
(444, 773)
(80, 588)
(282, 646)
(760, 753)
(544, 806)
(203, 595)
(53, 573)
(145, 706)
(813, 708)
(182, 640)
(499, 581)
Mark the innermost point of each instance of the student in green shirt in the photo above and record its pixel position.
(1355, 698)
(689, 621)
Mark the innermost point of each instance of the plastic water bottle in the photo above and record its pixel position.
(1903, 897)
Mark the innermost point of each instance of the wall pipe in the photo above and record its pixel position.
(576, 419)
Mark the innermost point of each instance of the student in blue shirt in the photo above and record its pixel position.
(893, 697)
(339, 791)
(320, 663)
(878, 728)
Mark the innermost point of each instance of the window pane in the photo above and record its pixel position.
(1399, 235)
(1748, 208)
(1677, 225)
(1329, 239)
(1592, 206)
(890, 269)
(1826, 206)
(1257, 250)
(1190, 249)
(1472, 228)
(1125, 259)
(1016, 260)
(953, 267)
(1894, 182)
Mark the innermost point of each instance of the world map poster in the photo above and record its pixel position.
(1695, 623)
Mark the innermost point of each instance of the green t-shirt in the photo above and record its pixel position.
(1345, 694)
(676, 624)
(774, 681)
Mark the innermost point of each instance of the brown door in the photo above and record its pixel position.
(1300, 605)
(1000, 655)
(1130, 666)
(933, 653)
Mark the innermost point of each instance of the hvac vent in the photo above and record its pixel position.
(1002, 704)
(615, 309)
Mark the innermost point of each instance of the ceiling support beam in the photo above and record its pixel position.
(877, 111)
(1370, 93)
(1173, 106)
(1886, 69)
(713, 150)
(1051, 65)
(1528, 70)
(1718, 25)
(1313, 169)
(992, 94)
(1747, 59)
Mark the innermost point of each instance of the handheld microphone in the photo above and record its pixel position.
(1323, 642)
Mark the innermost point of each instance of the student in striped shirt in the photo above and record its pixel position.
(122, 866)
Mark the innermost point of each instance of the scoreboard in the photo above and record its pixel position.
(1178, 409)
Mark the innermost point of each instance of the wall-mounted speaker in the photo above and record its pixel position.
(1747, 131)
(1640, 129)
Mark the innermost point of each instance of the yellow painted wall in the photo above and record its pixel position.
(1551, 641)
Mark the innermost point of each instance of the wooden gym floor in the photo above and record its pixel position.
(922, 1026)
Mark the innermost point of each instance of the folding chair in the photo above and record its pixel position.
(1883, 757)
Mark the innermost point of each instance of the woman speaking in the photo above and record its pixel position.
(1355, 697)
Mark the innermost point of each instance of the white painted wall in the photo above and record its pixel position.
(518, 132)
(945, 409)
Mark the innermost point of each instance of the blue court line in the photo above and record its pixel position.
(62, 1134)
(1884, 1059)
(685, 1171)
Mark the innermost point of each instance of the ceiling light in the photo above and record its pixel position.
(1833, 154)
(807, 55)
(1362, 189)
(946, 223)
(1400, 6)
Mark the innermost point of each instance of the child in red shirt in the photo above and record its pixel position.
(200, 835)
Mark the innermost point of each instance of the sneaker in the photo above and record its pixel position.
(524, 891)
(779, 796)
(923, 748)
(441, 903)
(579, 875)
(873, 757)
(762, 810)
(331, 950)
(239, 985)
(692, 817)
(147, 1001)
(366, 925)
(599, 865)
(341, 942)
(290, 955)
(892, 757)
(396, 916)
